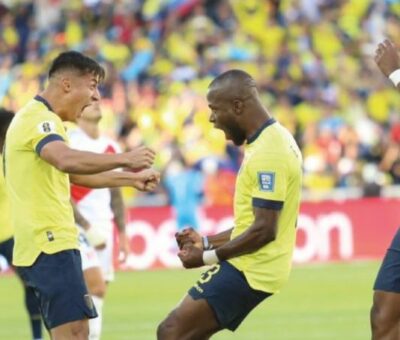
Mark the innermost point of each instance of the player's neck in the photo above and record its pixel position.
(89, 133)
(258, 119)
(53, 99)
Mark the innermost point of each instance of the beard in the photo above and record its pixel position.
(236, 134)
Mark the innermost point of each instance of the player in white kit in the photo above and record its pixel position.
(95, 212)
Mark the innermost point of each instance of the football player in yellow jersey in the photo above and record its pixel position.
(6, 233)
(385, 311)
(39, 166)
(252, 260)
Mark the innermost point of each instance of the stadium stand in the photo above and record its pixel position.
(312, 60)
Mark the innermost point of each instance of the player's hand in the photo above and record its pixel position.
(124, 248)
(96, 237)
(191, 256)
(146, 180)
(386, 57)
(189, 236)
(140, 158)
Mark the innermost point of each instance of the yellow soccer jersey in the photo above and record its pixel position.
(6, 231)
(39, 194)
(269, 177)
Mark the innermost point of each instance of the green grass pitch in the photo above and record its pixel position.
(319, 302)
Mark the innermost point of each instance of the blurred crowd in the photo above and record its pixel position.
(312, 59)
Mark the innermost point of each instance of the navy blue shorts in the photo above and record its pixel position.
(58, 283)
(6, 249)
(388, 278)
(227, 292)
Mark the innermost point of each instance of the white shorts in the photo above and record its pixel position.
(89, 255)
(104, 257)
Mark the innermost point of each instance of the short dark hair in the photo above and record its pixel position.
(76, 61)
(234, 75)
(6, 117)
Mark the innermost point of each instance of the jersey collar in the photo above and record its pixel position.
(43, 101)
(252, 138)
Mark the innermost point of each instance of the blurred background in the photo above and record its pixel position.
(313, 62)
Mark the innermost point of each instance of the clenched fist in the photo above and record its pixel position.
(140, 158)
(146, 180)
(189, 236)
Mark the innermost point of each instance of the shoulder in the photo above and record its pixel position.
(35, 114)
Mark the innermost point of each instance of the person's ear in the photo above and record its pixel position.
(66, 84)
(237, 106)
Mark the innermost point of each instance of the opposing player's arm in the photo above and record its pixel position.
(66, 159)
(145, 180)
(261, 232)
(118, 208)
(79, 219)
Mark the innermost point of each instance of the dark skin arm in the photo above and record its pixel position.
(190, 236)
(261, 232)
(387, 58)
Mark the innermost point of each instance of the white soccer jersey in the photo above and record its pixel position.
(93, 204)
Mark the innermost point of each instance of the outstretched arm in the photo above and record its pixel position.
(65, 159)
(145, 180)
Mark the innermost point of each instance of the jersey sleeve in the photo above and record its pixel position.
(45, 130)
(269, 180)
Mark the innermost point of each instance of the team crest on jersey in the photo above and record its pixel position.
(266, 181)
(46, 127)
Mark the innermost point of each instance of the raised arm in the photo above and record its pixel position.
(388, 61)
(65, 159)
